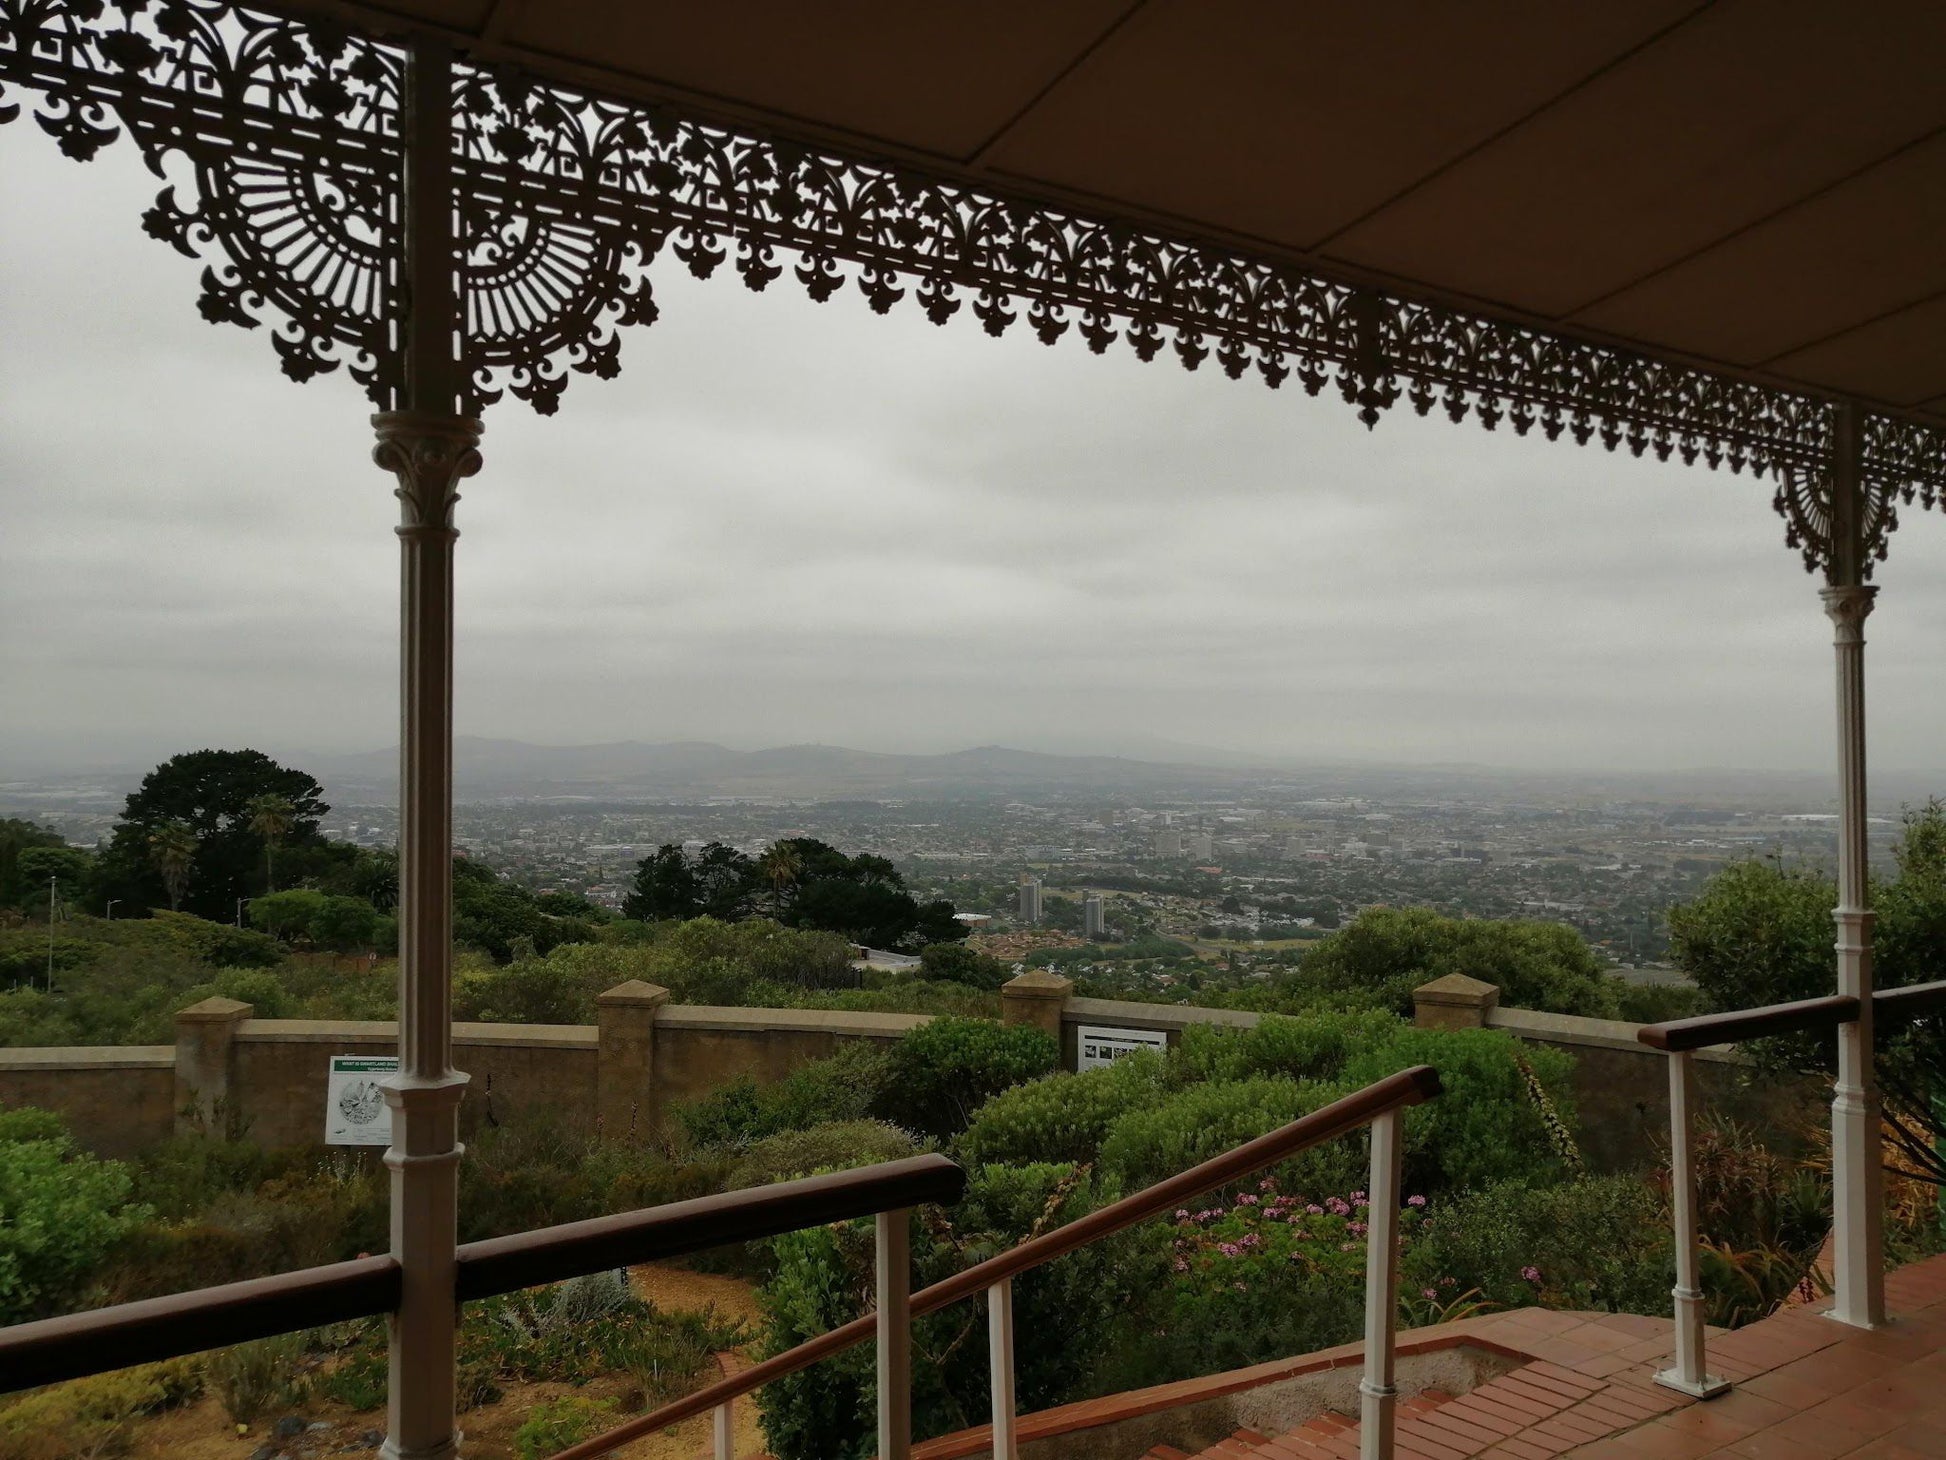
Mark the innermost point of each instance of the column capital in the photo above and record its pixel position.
(429, 454)
(1847, 606)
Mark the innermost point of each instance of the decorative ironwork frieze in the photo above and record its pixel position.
(565, 202)
(290, 132)
(1804, 500)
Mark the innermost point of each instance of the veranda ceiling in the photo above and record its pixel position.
(1756, 186)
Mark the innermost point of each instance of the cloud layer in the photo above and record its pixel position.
(794, 522)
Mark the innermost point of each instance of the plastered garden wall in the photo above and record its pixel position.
(266, 1077)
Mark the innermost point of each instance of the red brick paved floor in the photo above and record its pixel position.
(1804, 1388)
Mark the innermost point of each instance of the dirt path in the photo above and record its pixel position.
(201, 1431)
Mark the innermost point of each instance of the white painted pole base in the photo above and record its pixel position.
(1708, 1387)
(1377, 1393)
(1376, 1419)
(1000, 1362)
(723, 1431)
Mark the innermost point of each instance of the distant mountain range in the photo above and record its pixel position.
(691, 769)
(1149, 769)
(687, 770)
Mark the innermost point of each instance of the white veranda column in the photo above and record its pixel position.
(1378, 1390)
(429, 448)
(1856, 1155)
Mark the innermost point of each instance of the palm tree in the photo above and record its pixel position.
(270, 818)
(780, 865)
(172, 847)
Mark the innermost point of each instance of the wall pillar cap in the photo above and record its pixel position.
(1040, 983)
(216, 1010)
(635, 994)
(1456, 990)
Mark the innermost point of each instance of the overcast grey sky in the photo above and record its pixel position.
(794, 522)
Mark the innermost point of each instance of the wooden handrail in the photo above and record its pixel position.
(527, 1259)
(1911, 1002)
(1679, 1035)
(1341, 1117)
(79, 1344)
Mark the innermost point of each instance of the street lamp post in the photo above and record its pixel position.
(111, 908)
(239, 910)
(53, 883)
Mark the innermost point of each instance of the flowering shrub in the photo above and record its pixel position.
(1264, 1232)
(1261, 1275)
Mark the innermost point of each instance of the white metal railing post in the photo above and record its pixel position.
(1376, 1392)
(723, 1431)
(894, 1265)
(1689, 1375)
(1000, 1361)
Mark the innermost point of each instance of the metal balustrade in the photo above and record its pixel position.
(1680, 1039)
(79, 1344)
(1381, 1105)
(74, 1346)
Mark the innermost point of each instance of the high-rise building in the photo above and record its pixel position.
(1168, 842)
(1094, 916)
(1030, 899)
(1199, 847)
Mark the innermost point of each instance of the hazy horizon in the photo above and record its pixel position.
(790, 523)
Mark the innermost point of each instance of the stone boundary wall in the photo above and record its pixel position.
(266, 1077)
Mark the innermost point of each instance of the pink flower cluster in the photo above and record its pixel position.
(1271, 1226)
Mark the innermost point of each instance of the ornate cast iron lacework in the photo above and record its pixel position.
(566, 201)
(291, 133)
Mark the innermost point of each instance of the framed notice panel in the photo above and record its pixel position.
(355, 1112)
(1097, 1046)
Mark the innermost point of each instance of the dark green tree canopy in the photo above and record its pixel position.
(801, 882)
(1387, 952)
(1761, 933)
(17, 837)
(210, 793)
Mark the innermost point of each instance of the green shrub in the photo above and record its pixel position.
(527, 991)
(1307, 1047)
(1598, 1243)
(1202, 1121)
(957, 963)
(311, 1207)
(258, 987)
(185, 1174)
(28, 1123)
(62, 1212)
(1064, 1315)
(554, 1424)
(587, 1328)
(1061, 1117)
(1389, 951)
(941, 1073)
(833, 1147)
(1658, 1003)
(96, 1416)
(251, 1378)
(1485, 1128)
(1252, 1276)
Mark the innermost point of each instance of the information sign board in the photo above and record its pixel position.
(355, 1112)
(1098, 1047)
